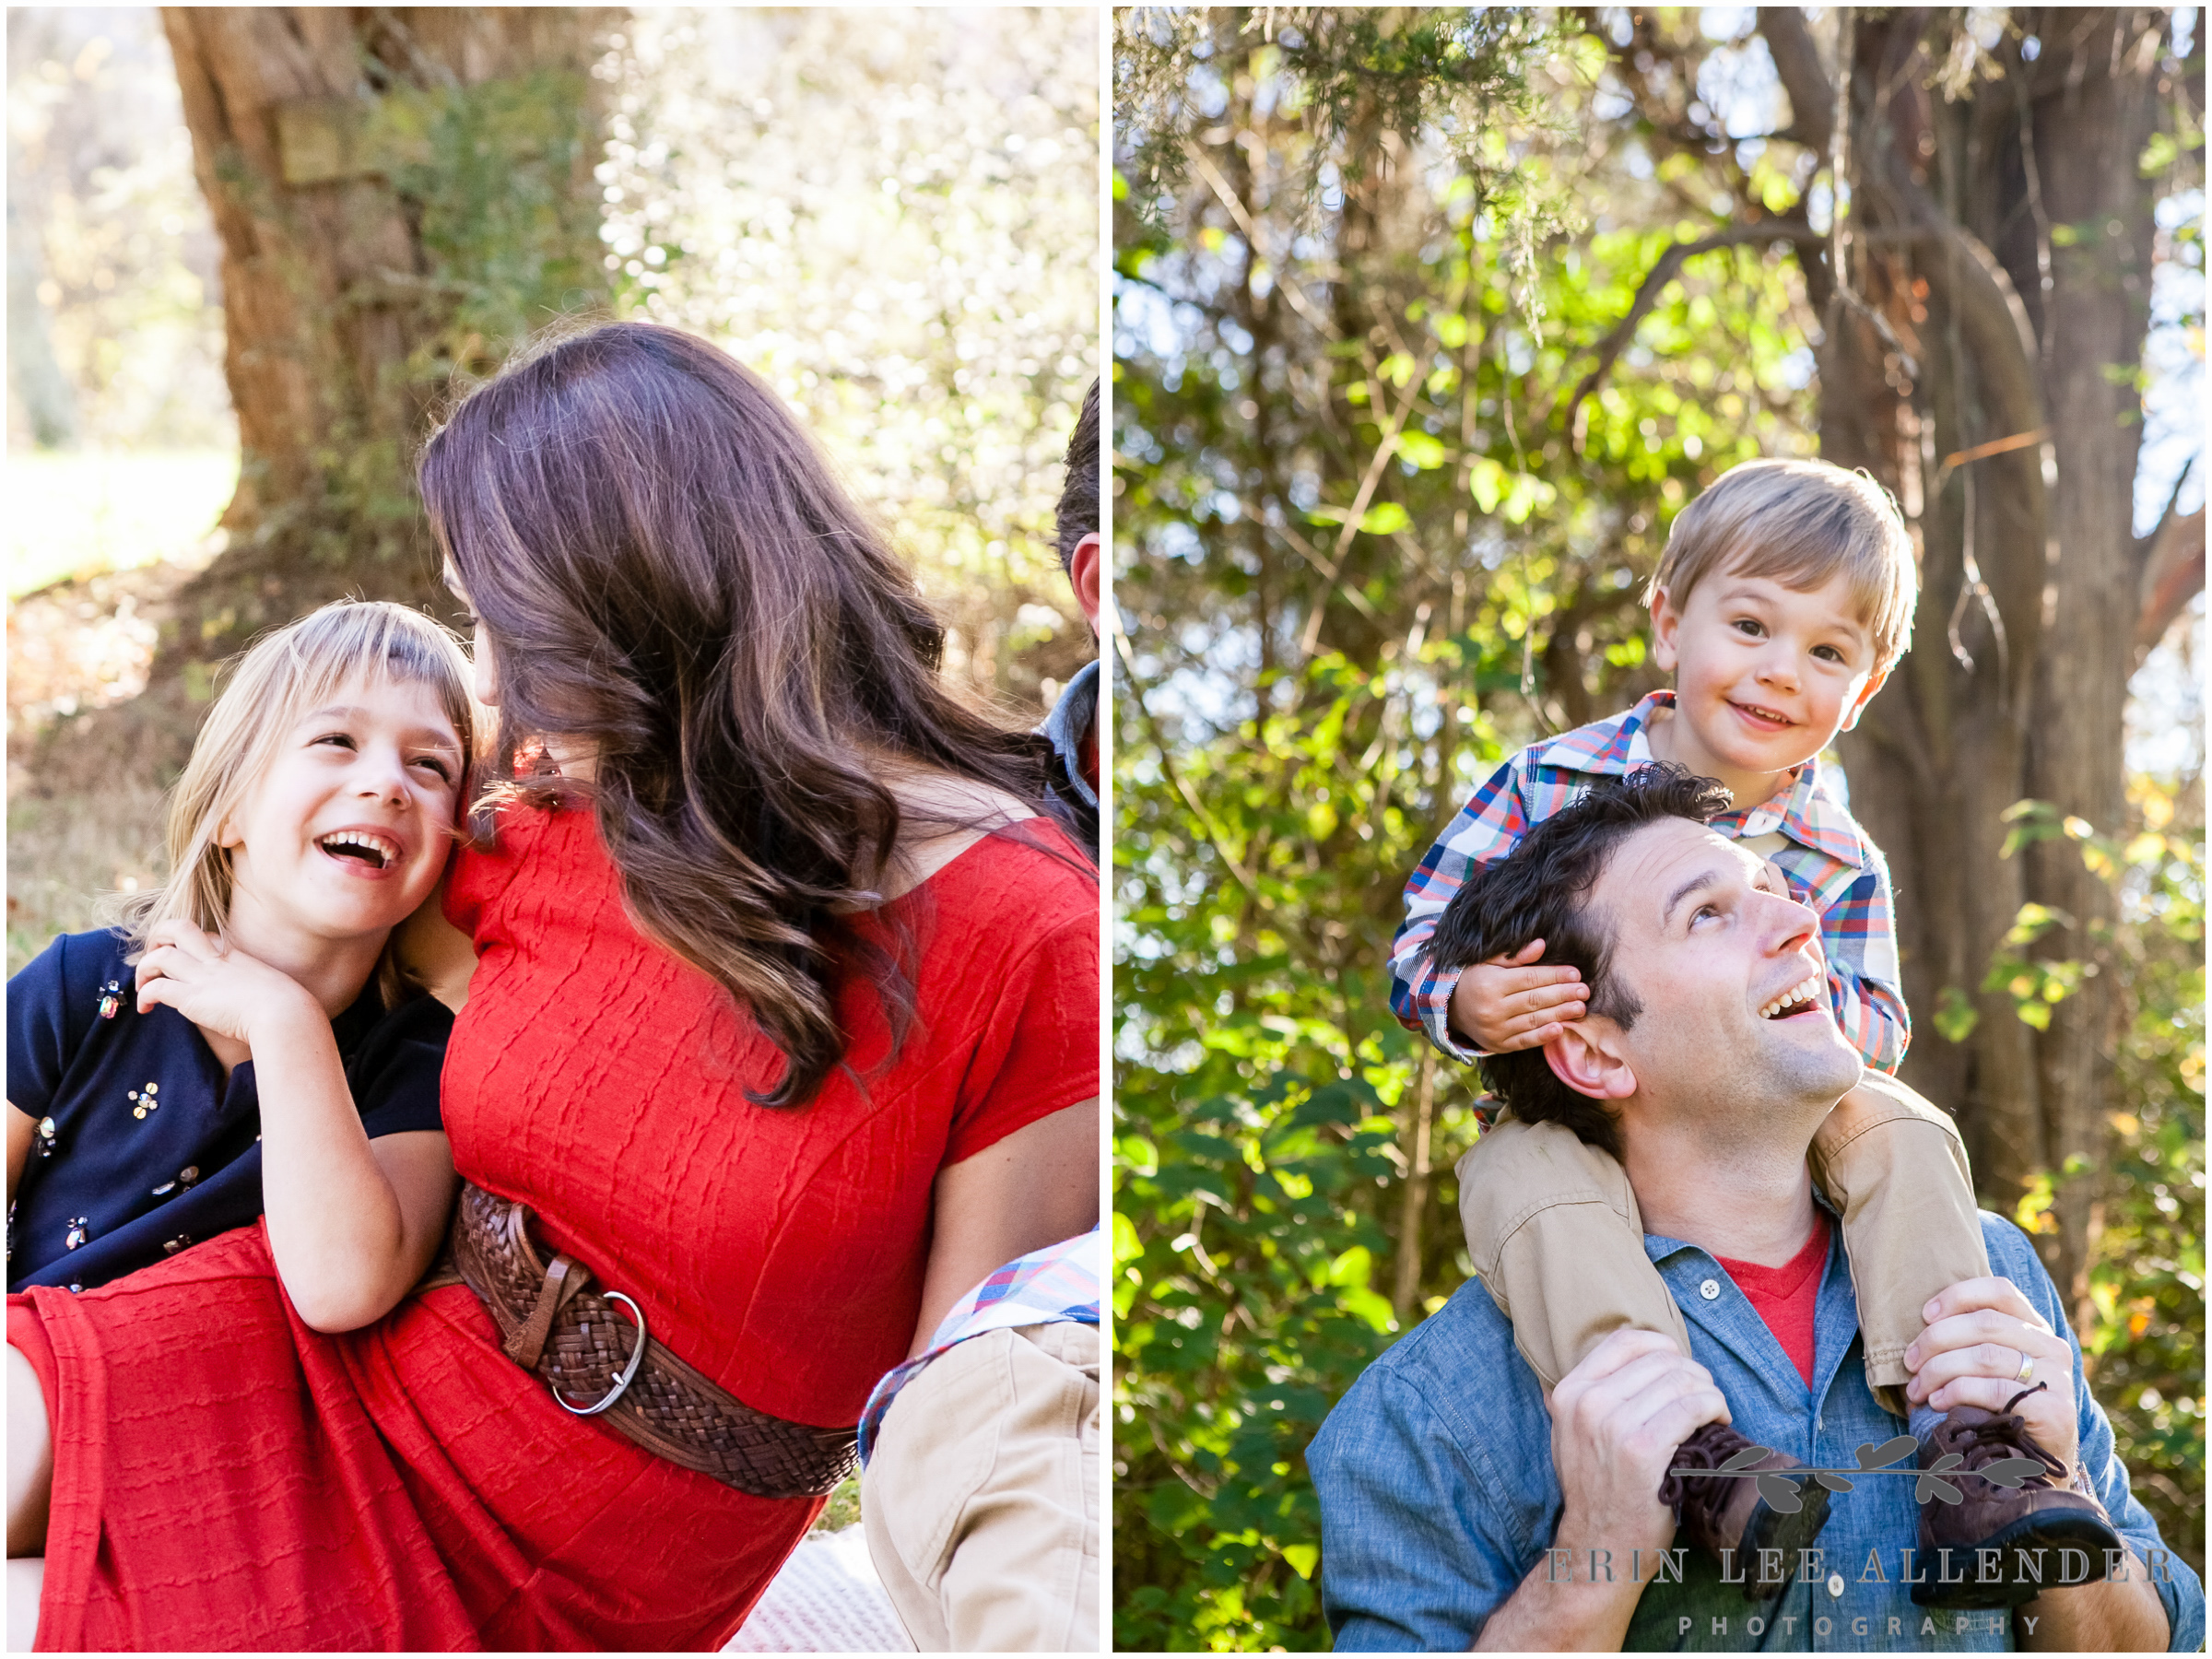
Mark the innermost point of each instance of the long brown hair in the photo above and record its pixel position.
(667, 571)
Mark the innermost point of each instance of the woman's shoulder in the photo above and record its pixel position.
(1030, 873)
(523, 837)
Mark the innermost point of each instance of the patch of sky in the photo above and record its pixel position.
(2184, 31)
(1147, 317)
(1636, 159)
(2166, 704)
(1178, 540)
(1739, 85)
(1820, 207)
(1986, 25)
(1796, 367)
(1209, 92)
(1328, 184)
(1726, 22)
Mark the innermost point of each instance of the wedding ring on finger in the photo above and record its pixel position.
(2027, 1369)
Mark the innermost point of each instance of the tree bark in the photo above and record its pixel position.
(401, 194)
(2004, 236)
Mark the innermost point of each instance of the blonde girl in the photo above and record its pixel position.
(317, 812)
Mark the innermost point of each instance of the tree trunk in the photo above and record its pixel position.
(402, 195)
(2003, 238)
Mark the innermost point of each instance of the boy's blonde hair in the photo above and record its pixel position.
(1801, 523)
(271, 688)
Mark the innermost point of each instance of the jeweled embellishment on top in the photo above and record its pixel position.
(143, 1099)
(172, 1246)
(185, 1177)
(111, 998)
(45, 1137)
(78, 1232)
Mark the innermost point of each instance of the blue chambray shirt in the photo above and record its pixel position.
(1438, 1493)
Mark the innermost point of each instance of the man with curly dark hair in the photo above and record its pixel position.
(1462, 1505)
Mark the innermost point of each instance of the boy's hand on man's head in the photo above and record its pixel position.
(1508, 1003)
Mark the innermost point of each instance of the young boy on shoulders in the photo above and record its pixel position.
(1784, 597)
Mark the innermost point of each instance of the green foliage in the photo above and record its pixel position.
(1463, 74)
(2144, 1329)
(1363, 559)
(1369, 547)
(495, 179)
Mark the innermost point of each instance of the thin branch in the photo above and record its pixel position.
(1669, 265)
(1314, 557)
(1199, 815)
(1203, 164)
(2174, 575)
(1357, 510)
(1982, 452)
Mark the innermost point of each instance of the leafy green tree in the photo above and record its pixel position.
(1408, 386)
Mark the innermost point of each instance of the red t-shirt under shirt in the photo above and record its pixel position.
(1786, 1296)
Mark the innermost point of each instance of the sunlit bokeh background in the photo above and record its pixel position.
(891, 215)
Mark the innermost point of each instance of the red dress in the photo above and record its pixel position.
(227, 1478)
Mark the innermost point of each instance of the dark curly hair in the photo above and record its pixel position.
(1542, 891)
(1077, 514)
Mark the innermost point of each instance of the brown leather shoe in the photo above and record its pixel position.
(2037, 1532)
(1728, 1518)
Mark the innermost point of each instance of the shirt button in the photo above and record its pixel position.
(1710, 1289)
(1835, 1585)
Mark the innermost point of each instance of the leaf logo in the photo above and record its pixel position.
(1872, 1456)
(1781, 1492)
(2009, 1471)
(1928, 1486)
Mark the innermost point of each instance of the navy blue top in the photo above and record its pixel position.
(142, 1147)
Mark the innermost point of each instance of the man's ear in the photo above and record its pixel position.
(1583, 1057)
(1083, 570)
(1874, 684)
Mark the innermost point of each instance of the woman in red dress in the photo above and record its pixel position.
(781, 1018)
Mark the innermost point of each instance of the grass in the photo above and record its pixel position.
(79, 512)
(95, 540)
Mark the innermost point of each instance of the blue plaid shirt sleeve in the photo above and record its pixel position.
(1858, 935)
(1487, 827)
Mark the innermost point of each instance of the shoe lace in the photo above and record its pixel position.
(1709, 1447)
(2006, 1434)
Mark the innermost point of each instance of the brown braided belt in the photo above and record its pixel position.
(572, 1338)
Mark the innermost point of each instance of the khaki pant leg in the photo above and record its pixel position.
(1557, 1240)
(1895, 1166)
(981, 1500)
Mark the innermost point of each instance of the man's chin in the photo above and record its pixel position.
(1815, 1070)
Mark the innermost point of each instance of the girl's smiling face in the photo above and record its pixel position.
(347, 831)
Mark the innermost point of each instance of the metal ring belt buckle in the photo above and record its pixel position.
(637, 1357)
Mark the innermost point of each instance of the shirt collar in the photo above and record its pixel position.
(1807, 811)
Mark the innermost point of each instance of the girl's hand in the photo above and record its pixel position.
(1508, 1003)
(220, 989)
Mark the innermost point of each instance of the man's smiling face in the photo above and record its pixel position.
(1729, 971)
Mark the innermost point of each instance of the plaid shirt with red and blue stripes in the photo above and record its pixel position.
(1805, 830)
(1059, 1283)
